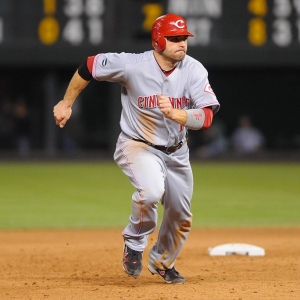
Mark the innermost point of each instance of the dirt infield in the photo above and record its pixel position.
(85, 264)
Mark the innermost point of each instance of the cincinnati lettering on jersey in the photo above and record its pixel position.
(151, 102)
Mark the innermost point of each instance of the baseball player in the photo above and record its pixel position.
(164, 93)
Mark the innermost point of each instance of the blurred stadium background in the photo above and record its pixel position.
(250, 48)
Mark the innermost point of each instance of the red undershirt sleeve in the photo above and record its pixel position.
(208, 117)
(90, 61)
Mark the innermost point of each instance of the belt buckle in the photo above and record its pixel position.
(174, 147)
(167, 149)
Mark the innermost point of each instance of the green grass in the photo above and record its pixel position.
(97, 195)
(246, 195)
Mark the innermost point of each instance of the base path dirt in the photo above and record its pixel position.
(86, 264)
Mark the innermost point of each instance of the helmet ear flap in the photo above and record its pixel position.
(159, 42)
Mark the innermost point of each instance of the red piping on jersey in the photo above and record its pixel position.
(208, 117)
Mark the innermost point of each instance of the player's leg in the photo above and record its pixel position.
(146, 172)
(177, 218)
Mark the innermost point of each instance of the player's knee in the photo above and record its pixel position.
(154, 195)
(151, 196)
(185, 225)
(184, 219)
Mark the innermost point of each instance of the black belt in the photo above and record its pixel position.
(167, 150)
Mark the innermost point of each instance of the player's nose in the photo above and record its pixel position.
(182, 44)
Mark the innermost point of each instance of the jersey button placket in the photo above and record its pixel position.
(167, 121)
(165, 87)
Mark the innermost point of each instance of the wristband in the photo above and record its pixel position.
(195, 119)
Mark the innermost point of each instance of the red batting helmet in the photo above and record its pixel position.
(167, 25)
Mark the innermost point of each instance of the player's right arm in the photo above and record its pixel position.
(63, 109)
(109, 69)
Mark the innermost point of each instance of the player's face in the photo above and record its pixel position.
(176, 47)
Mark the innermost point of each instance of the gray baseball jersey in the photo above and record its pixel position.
(142, 80)
(155, 175)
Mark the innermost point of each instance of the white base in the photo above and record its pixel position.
(236, 249)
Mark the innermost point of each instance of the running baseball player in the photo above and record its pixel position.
(165, 92)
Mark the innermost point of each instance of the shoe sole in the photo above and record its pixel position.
(131, 275)
(154, 272)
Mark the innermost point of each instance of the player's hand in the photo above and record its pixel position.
(165, 106)
(62, 112)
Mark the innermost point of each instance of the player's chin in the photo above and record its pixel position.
(180, 55)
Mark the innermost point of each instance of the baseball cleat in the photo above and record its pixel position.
(132, 262)
(169, 276)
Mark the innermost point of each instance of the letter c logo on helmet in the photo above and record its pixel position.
(181, 24)
(167, 25)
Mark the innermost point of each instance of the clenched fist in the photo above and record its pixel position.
(165, 106)
(62, 112)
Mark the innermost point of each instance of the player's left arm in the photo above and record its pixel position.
(195, 119)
